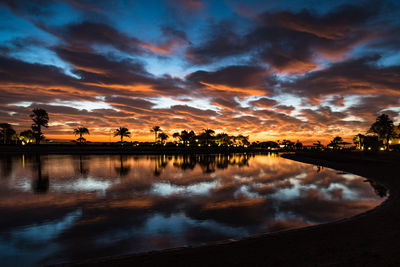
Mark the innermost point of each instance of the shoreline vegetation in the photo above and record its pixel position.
(382, 135)
(368, 239)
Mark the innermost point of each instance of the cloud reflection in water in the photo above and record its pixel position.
(163, 201)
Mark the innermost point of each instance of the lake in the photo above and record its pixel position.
(60, 208)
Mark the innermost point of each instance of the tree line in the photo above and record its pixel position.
(41, 119)
(383, 129)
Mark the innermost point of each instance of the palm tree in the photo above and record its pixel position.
(242, 140)
(155, 129)
(318, 144)
(336, 142)
(187, 137)
(207, 135)
(384, 128)
(163, 137)
(224, 139)
(81, 131)
(40, 119)
(122, 132)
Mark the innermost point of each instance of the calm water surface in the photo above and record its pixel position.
(59, 208)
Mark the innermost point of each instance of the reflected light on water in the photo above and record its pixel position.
(117, 204)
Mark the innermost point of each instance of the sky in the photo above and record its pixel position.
(273, 70)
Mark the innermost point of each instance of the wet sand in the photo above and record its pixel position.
(368, 239)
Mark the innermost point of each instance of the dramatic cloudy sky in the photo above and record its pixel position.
(295, 69)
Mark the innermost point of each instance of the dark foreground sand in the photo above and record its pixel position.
(368, 239)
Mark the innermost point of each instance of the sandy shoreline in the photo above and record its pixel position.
(368, 239)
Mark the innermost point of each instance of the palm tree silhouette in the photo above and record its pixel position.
(155, 129)
(122, 170)
(163, 137)
(81, 131)
(177, 136)
(41, 184)
(40, 119)
(122, 132)
(208, 135)
(224, 139)
(318, 144)
(187, 137)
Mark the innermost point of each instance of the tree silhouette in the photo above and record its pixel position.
(384, 128)
(177, 136)
(6, 132)
(26, 137)
(336, 142)
(318, 144)
(287, 144)
(224, 139)
(41, 184)
(207, 136)
(155, 129)
(187, 137)
(83, 170)
(122, 170)
(242, 140)
(298, 145)
(163, 137)
(359, 140)
(81, 131)
(40, 119)
(122, 132)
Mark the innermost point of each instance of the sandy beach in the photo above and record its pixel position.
(368, 239)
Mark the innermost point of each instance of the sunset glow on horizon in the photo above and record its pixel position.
(269, 70)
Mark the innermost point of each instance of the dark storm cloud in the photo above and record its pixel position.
(264, 102)
(98, 75)
(336, 24)
(234, 76)
(98, 68)
(323, 116)
(221, 41)
(284, 108)
(291, 41)
(369, 107)
(227, 102)
(131, 102)
(85, 34)
(354, 76)
(14, 71)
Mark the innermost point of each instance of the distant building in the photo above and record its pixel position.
(371, 142)
(395, 144)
